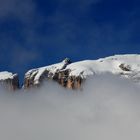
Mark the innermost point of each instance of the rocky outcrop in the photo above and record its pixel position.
(56, 72)
(64, 79)
(61, 77)
(30, 79)
(125, 67)
(9, 80)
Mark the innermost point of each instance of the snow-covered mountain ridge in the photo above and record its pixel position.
(72, 75)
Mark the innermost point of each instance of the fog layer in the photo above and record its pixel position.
(106, 108)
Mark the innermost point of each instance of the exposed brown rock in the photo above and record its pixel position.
(15, 82)
(29, 79)
(62, 77)
(125, 67)
(10, 83)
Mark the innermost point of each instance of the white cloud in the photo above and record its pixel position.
(107, 108)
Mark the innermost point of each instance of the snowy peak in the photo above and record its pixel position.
(9, 80)
(71, 75)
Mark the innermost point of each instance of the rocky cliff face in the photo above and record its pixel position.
(66, 80)
(56, 72)
(9, 80)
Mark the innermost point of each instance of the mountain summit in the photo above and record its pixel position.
(71, 75)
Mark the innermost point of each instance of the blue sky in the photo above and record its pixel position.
(35, 33)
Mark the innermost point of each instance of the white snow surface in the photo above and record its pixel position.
(90, 67)
(6, 75)
(109, 64)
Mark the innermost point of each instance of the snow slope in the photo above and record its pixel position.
(108, 64)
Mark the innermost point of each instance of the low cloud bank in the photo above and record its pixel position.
(107, 108)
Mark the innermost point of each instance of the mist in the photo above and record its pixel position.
(105, 108)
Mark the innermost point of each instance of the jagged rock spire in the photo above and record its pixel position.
(67, 60)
